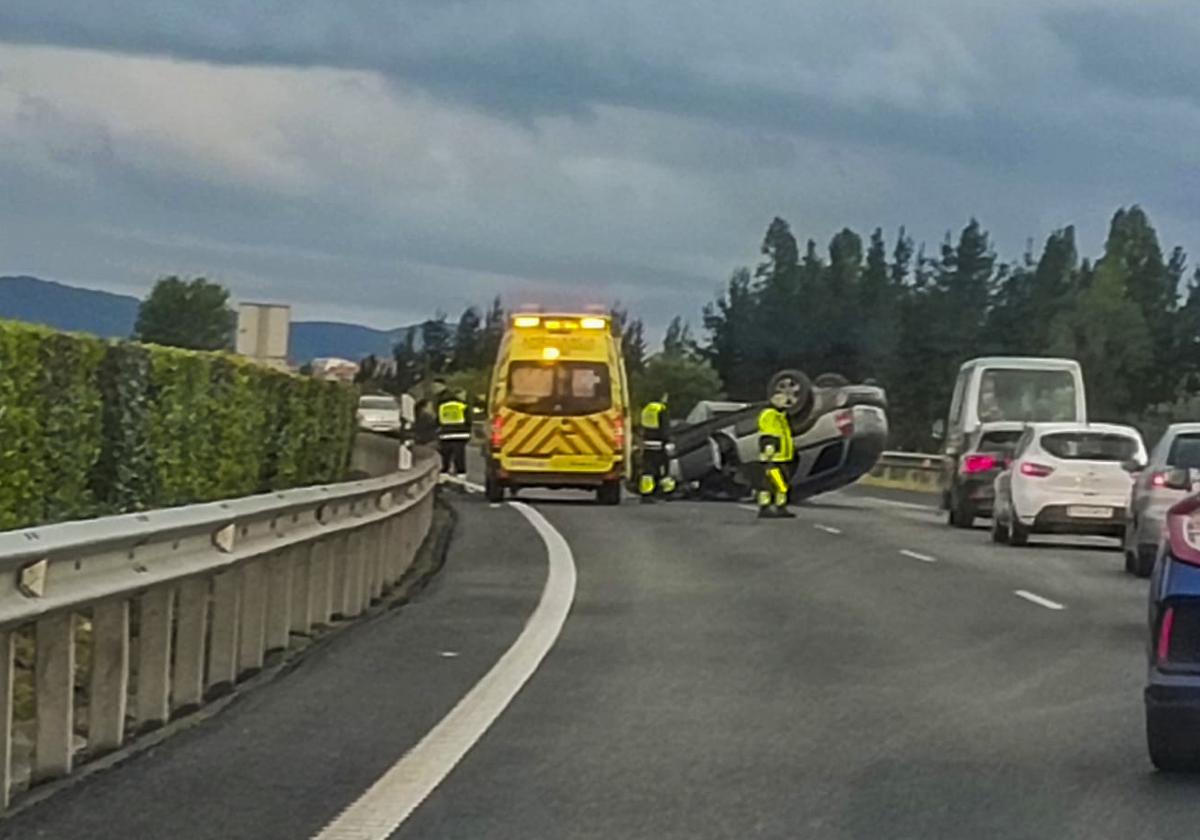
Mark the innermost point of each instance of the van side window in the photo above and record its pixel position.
(956, 403)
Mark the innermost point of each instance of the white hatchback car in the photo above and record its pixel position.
(1067, 478)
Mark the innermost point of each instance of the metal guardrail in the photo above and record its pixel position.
(198, 594)
(911, 461)
(907, 470)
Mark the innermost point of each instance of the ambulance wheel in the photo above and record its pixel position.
(493, 489)
(609, 493)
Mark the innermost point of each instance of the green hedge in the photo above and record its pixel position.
(89, 427)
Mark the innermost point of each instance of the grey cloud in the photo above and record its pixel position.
(1148, 49)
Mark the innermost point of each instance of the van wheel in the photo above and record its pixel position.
(493, 489)
(609, 493)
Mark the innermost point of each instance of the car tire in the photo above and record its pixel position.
(1143, 561)
(609, 493)
(797, 386)
(493, 489)
(831, 380)
(999, 532)
(1171, 751)
(1018, 534)
(962, 515)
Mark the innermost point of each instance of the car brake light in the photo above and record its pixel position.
(1164, 636)
(1183, 530)
(1158, 479)
(619, 432)
(844, 420)
(497, 432)
(1034, 470)
(978, 463)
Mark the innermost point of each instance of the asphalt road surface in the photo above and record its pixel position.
(863, 671)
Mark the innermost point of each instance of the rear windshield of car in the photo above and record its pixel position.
(1032, 396)
(1090, 446)
(1185, 452)
(999, 441)
(559, 387)
(379, 404)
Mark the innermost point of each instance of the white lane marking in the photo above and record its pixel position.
(398, 792)
(1039, 600)
(828, 529)
(916, 555)
(448, 654)
(751, 508)
(495, 505)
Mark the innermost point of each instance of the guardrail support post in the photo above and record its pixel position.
(6, 714)
(320, 588)
(339, 563)
(378, 555)
(191, 630)
(279, 598)
(154, 657)
(302, 579)
(362, 569)
(252, 633)
(110, 676)
(222, 658)
(351, 573)
(54, 675)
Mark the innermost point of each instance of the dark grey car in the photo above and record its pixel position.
(1178, 449)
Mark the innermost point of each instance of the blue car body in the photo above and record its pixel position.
(1172, 694)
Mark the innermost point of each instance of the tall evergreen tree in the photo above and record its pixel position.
(468, 341)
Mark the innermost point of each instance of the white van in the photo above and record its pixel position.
(1005, 390)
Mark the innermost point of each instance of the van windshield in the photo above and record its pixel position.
(1034, 396)
(559, 387)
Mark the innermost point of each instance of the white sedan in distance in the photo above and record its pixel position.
(1068, 478)
(379, 413)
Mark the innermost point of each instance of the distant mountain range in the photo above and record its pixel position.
(112, 316)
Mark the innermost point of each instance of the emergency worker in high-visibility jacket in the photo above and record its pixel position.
(777, 451)
(656, 437)
(454, 432)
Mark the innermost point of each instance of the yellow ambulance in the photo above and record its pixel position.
(558, 407)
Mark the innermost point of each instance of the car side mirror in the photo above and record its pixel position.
(938, 432)
(1178, 479)
(1133, 465)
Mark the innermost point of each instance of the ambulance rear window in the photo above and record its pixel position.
(559, 387)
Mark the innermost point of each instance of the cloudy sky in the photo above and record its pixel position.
(374, 160)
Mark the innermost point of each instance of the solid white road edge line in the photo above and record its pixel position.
(398, 792)
(1039, 600)
(916, 555)
(828, 529)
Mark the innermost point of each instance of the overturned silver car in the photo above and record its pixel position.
(840, 431)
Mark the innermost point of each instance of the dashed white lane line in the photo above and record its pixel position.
(916, 555)
(751, 508)
(1039, 600)
(398, 792)
(828, 529)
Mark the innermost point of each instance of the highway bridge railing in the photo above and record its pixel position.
(920, 471)
(123, 623)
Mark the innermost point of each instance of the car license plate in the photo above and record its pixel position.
(1089, 512)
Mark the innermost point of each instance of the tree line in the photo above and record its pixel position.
(908, 318)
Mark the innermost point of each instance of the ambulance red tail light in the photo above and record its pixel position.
(497, 432)
(619, 433)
